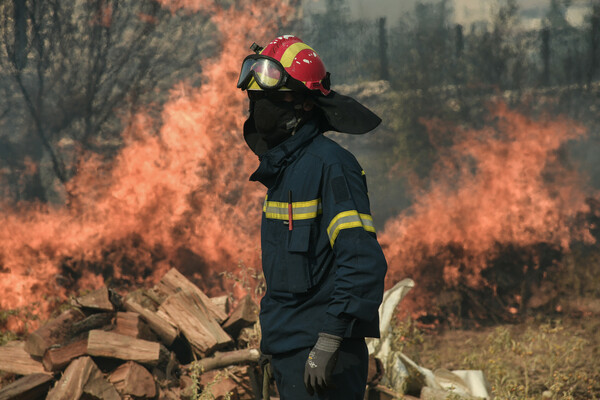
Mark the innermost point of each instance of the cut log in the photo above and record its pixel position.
(114, 345)
(15, 360)
(133, 380)
(83, 378)
(174, 281)
(53, 332)
(194, 320)
(97, 300)
(222, 360)
(219, 385)
(130, 324)
(57, 358)
(223, 303)
(162, 327)
(143, 298)
(189, 388)
(94, 321)
(248, 385)
(30, 387)
(244, 315)
(155, 295)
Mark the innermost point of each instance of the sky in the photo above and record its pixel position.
(465, 11)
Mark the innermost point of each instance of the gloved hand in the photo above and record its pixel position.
(320, 363)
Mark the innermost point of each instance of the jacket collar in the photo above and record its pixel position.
(273, 161)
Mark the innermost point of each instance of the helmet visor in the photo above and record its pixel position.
(267, 72)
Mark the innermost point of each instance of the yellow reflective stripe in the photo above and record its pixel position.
(347, 220)
(291, 52)
(296, 216)
(362, 172)
(295, 204)
(300, 209)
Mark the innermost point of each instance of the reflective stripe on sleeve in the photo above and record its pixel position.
(300, 209)
(347, 220)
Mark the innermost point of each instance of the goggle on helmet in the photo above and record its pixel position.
(286, 63)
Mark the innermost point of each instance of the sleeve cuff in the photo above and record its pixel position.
(337, 326)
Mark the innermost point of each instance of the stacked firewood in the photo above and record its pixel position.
(168, 342)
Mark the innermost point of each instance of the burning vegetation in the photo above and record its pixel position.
(498, 214)
(178, 195)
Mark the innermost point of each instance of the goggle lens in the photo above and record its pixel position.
(267, 73)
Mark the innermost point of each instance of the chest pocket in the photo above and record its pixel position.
(289, 257)
(298, 260)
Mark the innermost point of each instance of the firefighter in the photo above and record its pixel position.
(323, 266)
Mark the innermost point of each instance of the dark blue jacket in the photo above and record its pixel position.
(326, 273)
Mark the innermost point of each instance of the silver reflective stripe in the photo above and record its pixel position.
(347, 220)
(300, 209)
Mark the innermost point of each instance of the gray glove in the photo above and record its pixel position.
(320, 363)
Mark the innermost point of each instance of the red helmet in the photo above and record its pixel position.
(287, 63)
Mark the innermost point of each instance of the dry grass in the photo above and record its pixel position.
(556, 358)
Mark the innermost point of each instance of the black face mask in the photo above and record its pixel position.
(276, 120)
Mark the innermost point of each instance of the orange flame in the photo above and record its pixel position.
(503, 184)
(182, 197)
(179, 198)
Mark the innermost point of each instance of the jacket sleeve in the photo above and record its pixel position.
(361, 265)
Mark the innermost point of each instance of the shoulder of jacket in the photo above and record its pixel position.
(330, 152)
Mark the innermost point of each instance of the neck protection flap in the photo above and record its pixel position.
(344, 114)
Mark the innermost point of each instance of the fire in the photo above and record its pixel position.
(177, 198)
(500, 186)
(181, 197)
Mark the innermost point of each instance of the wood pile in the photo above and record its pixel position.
(168, 342)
